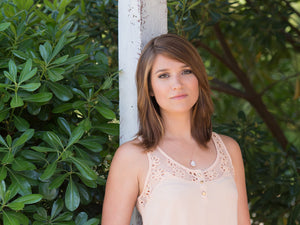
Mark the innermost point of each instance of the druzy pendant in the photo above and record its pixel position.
(192, 163)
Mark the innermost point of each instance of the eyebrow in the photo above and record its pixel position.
(163, 70)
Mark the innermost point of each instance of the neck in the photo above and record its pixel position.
(177, 126)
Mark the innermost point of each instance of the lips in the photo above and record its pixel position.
(178, 97)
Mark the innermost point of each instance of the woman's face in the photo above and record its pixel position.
(174, 85)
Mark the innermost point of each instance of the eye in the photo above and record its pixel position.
(186, 72)
(163, 75)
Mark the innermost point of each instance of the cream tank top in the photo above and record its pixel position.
(176, 195)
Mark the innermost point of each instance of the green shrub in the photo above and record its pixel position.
(58, 100)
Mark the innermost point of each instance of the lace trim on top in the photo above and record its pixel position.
(161, 165)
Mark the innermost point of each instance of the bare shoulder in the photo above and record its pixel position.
(130, 154)
(233, 148)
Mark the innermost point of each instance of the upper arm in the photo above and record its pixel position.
(239, 176)
(121, 187)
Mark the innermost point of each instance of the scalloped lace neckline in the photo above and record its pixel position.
(191, 169)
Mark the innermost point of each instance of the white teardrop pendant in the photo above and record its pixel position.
(192, 163)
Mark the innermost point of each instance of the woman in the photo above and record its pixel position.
(177, 171)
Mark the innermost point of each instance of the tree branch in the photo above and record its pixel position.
(221, 86)
(278, 81)
(230, 59)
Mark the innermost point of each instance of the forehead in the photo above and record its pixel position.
(166, 62)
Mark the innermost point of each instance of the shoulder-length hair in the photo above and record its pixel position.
(151, 127)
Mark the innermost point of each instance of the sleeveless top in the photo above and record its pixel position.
(176, 195)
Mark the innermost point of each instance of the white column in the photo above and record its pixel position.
(139, 21)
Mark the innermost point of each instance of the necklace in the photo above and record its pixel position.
(192, 163)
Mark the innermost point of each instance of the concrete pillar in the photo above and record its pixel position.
(139, 21)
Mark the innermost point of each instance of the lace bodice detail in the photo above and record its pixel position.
(161, 166)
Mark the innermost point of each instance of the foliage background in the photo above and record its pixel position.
(59, 132)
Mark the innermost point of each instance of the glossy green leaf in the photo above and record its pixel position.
(8, 158)
(56, 74)
(20, 54)
(62, 218)
(32, 155)
(109, 128)
(16, 101)
(2, 141)
(29, 199)
(4, 26)
(85, 124)
(12, 70)
(3, 172)
(20, 164)
(26, 69)
(16, 206)
(88, 183)
(10, 219)
(27, 73)
(92, 221)
(63, 108)
(57, 207)
(41, 214)
(64, 125)
(58, 46)
(49, 171)
(48, 194)
(4, 114)
(75, 136)
(107, 83)
(33, 108)
(30, 87)
(43, 149)
(76, 59)
(27, 135)
(2, 189)
(13, 190)
(85, 194)
(8, 140)
(44, 53)
(81, 218)
(23, 184)
(60, 60)
(85, 170)
(39, 97)
(20, 217)
(57, 182)
(54, 139)
(60, 91)
(105, 112)
(21, 124)
(8, 76)
(91, 145)
(72, 197)
(79, 92)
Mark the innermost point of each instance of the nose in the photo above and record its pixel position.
(177, 82)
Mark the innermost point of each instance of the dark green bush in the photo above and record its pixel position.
(58, 100)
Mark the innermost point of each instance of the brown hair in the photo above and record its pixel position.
(151, 123)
